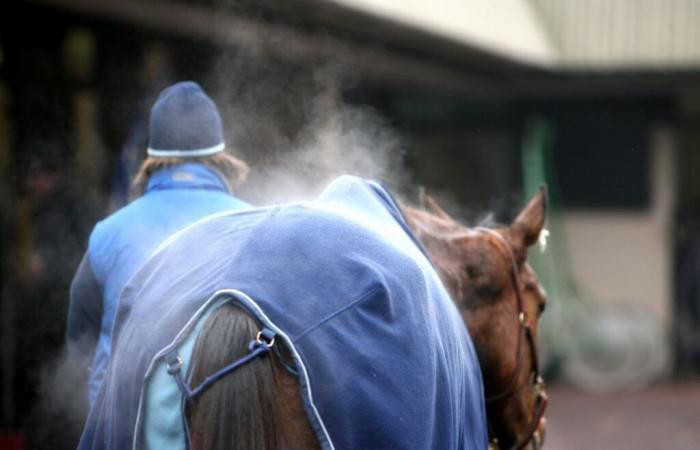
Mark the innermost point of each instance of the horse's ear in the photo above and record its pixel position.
(530, 222)
(430, 205)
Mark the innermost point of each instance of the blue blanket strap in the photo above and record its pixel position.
(286, 364)
(259, 346)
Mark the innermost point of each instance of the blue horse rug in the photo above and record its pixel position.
(383, 356)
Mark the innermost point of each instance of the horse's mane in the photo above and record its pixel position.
(424, 221)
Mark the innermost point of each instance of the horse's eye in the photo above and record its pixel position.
(543, 306)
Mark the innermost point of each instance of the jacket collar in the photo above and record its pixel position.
(187, 176)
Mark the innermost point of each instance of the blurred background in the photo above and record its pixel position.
(478, 101)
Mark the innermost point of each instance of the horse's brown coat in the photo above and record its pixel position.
(475, 268)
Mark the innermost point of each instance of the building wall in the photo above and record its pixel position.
(626, 256)
(589, 35)
(624, 34)
(509, 28)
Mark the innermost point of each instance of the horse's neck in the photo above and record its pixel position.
(437, 234)
(424, 224)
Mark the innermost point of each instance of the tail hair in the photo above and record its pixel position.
(240, 411)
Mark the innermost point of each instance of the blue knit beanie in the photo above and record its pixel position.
(184, 123)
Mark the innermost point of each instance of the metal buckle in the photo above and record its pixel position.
(175, 365)
(265, 339)
(540, 387)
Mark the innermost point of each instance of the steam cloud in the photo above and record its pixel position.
(297, 132)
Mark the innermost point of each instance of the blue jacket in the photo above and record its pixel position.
(175, 197)
(384, 358)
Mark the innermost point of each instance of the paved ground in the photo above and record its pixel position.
(660, 418)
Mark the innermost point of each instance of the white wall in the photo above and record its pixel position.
(509, 28)
(562, 34)
(618, 256)
(624, 34)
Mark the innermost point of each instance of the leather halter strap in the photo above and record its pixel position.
(524, 328)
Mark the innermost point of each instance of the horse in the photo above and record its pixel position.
(500, 301)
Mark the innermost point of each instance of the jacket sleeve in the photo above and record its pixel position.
(84, 311)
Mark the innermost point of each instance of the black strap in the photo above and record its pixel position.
(524, 328)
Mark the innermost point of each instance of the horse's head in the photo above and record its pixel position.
(500, 299)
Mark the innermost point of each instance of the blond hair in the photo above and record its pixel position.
(233, 170)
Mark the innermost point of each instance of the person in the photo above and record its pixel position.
(186, 176)
(365, 349)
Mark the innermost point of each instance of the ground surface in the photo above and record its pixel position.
(663, 417)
